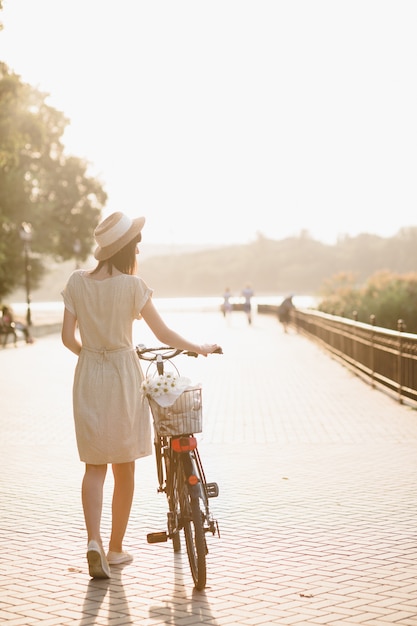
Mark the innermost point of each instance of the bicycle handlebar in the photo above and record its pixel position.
(169, 352)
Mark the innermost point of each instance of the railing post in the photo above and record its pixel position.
(372, 320)
(400, 326)
(354, 342)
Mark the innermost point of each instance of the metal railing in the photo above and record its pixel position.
(384, 358)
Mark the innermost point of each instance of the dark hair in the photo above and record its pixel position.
(124, 260)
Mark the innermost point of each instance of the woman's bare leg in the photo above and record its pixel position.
(124, 485)
(92, 499)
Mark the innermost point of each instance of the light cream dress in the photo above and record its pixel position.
(112, 422)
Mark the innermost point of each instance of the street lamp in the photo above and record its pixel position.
(26, 237)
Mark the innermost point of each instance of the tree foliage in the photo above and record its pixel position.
(40, 184)
(340, 297)
(387, 297)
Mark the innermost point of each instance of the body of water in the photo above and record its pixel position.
(42, 311)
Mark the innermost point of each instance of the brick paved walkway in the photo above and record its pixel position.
(317, 505)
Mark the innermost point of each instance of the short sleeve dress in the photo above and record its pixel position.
(112, 422)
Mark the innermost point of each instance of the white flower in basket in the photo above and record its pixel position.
(165, 388)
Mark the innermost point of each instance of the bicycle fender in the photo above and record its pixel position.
(194, 491)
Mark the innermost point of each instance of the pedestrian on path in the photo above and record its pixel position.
(247, 294)
(227, 305)
(112, 421)
(285, 310)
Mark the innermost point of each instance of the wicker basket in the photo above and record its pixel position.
(184, 417)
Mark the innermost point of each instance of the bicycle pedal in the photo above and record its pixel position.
(157, 537)
(212, 490)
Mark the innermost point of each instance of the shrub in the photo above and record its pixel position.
(386, 295)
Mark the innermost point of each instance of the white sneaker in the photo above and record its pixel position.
(98, 566)
(117, 558)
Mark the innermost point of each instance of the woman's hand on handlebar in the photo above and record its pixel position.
(209, 348)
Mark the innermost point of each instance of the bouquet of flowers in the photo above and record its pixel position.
(165, 388)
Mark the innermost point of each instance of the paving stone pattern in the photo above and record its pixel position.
(317, 506)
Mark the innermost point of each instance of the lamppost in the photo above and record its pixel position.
(26, 237)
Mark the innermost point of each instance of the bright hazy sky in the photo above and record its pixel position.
(218, 120)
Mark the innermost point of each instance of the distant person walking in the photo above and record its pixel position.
(227, 305)
(247, 294)
(285, 310)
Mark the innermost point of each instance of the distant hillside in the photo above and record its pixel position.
(296, 265)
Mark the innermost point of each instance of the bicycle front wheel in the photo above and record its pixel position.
(192, 521)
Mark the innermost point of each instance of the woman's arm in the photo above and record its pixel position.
(168, 336)
(68, 336)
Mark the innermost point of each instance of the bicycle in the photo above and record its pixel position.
(179, 468)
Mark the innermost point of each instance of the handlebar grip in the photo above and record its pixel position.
(195, 354)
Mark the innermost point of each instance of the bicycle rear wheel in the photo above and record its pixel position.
(192, 521)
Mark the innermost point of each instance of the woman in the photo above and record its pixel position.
(111, 421)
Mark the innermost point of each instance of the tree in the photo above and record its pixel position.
(40, 185)
(339, 295)
(386, 296)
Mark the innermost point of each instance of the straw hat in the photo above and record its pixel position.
(114, 233)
